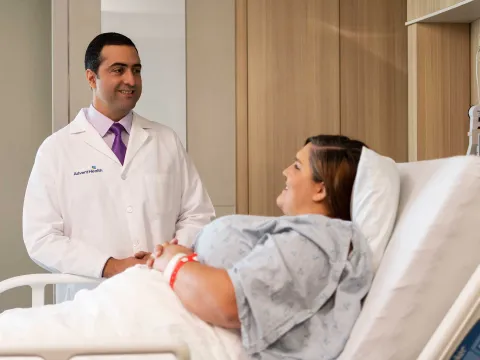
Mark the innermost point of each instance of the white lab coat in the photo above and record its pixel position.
(82, 206)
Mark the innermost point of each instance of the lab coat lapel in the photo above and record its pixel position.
(82, 128)
(138, 137)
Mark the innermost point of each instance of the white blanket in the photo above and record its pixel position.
(133, 305)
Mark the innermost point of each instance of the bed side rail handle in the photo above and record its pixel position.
(37, 283)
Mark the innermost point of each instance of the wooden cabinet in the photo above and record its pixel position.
(439, 88)
(420, 8)
(442, 41)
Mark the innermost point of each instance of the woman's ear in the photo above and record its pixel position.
(320, 192)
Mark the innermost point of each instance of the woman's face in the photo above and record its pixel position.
(301, 194)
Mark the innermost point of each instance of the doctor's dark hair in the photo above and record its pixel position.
(94, 50)
(334, 161)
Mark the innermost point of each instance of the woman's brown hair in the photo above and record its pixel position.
(334, 161)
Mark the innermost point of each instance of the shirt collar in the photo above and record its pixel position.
(102, 124)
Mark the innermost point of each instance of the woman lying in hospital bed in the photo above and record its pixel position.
(262, 287)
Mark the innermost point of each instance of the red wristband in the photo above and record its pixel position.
(183, 260)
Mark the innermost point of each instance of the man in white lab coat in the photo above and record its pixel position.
(111, 185)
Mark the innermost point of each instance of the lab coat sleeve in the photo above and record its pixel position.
(43, 223)
(196, 207)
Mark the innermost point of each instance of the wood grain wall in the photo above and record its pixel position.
(293, 87)
(306, 67)
(241, 127)
(474, 45)
(373, 100)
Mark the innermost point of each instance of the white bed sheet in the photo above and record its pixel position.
(137, 304)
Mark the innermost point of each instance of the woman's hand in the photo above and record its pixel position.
(205, 291)
(164, 253)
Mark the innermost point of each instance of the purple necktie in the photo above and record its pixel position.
(118, 146)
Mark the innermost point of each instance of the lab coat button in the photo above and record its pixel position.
(129, 209)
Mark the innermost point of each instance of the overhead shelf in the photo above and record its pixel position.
(464, 12)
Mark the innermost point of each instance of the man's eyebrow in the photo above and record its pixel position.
(297, 159)
(125, 65)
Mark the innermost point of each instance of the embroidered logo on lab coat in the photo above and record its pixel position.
(92, 170)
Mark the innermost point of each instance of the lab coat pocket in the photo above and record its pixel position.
(160, 193)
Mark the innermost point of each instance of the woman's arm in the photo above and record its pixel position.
(205, 291)
(208, 293)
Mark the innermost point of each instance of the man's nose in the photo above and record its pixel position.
(129, 78)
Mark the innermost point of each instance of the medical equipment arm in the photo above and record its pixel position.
(474, 131)
(196, 207)
(208, 293)
(43, 227)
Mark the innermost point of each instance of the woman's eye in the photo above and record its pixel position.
(296, 166)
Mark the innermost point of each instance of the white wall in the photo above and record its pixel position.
(26, 103)
(211, 97)
(157, 27)
(83, 26)
(74, 24)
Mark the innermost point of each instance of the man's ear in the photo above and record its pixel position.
(91, 78)
(320, 192)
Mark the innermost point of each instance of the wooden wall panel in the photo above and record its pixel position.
(442, 69)
(241, 80)
(474, 45)
(293, 87)
(412, 93)
(419, 8)
(374, 80)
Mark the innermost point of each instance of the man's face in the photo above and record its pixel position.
(118, 83)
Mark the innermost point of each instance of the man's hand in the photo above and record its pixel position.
(164, 253)
(143, 255)
(116, 266)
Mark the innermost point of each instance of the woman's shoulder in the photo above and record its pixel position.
(317, 223)
(240, 220)
(314, 222)
(308, 225)
(304, 218)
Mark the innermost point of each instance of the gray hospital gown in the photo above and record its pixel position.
(298, 289)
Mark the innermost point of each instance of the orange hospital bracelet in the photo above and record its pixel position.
(183, 260)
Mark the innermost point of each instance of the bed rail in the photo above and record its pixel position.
(37, 283)
(65, 352)
(460, 318)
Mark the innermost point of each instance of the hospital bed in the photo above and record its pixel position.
(425, 295)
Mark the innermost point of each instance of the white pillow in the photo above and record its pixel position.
(375, 197)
